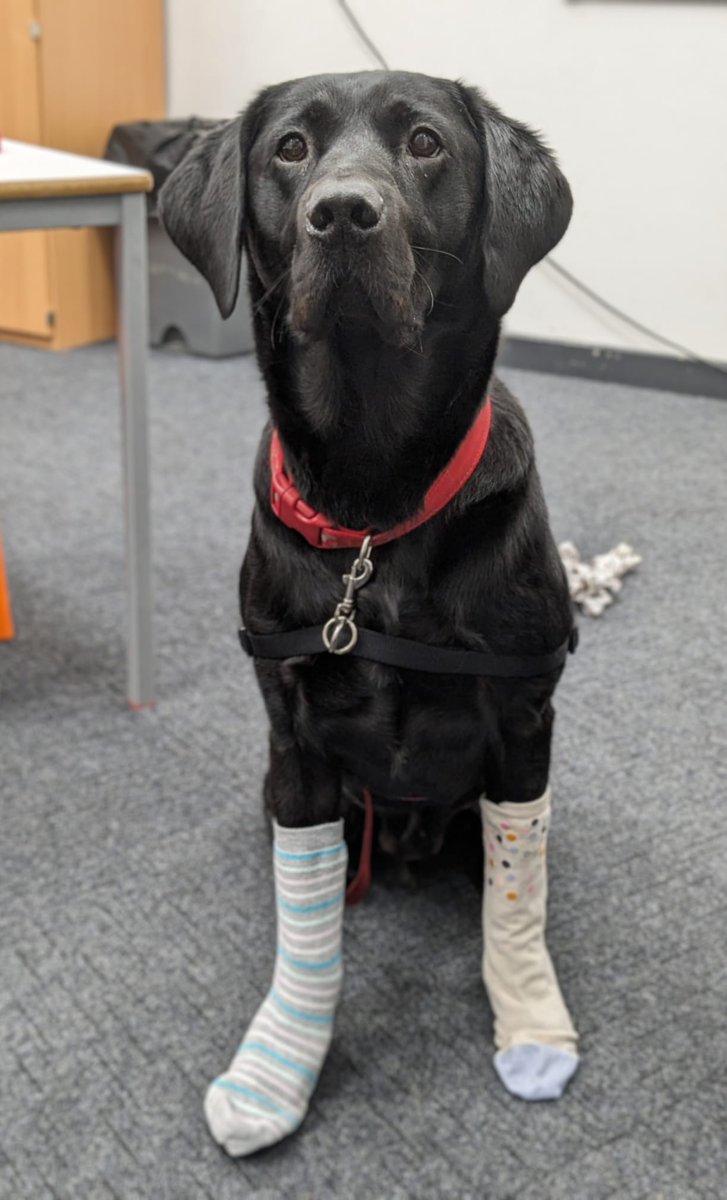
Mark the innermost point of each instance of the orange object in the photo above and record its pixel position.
(7, 629)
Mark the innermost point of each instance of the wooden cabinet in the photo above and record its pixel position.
(69, 71)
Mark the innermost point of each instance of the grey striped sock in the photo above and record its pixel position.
(264, 1095)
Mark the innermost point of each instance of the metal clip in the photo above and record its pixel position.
(344, 616)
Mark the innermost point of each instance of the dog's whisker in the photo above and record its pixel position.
(433, 250)
(420, 353)
(271, 289)
(275, 318)
(263, 300)
(431, 293)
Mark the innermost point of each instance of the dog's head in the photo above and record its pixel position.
(361, 198)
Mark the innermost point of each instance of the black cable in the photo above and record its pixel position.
(362, 34)
(618, 312)
(573, 279)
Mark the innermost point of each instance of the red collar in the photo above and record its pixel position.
(326, 535)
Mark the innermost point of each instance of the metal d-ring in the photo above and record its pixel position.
(333, 628)
(344, 616)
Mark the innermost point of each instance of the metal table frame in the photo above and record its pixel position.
(127, 211)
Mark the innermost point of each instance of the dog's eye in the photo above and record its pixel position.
(424, 144)
(292, 148)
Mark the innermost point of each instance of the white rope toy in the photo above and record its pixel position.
(594, 585)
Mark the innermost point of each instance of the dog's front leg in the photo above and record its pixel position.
(534, 1034)
(265, 1093)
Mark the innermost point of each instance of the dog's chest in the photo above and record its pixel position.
(402, 733)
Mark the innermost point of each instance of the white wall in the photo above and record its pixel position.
(631, 95)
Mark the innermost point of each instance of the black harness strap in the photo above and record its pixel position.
(414, 656)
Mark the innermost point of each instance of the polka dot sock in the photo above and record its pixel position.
(264, 1095)
(534, 1035)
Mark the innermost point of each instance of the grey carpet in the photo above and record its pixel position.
(135, 896)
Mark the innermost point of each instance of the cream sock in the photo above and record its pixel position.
(264, 1094)
(534, 1035)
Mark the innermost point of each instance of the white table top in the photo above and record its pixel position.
(34, 171)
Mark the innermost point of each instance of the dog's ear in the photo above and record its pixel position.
(201, 208)
(529, 202)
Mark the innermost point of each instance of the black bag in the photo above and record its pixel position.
(157, 146)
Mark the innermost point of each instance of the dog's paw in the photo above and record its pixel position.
(238, 1120)
(535, 1071)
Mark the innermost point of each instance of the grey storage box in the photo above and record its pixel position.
(181, 304)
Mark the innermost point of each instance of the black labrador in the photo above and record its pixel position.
(388, 220)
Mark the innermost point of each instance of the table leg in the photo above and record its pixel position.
(133, 353)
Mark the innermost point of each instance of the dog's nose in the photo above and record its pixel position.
(353, 207)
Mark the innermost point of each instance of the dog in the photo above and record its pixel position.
(387, 219)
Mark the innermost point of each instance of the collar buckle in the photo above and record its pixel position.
(288, 506)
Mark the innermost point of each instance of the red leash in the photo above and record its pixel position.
(359, 885)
